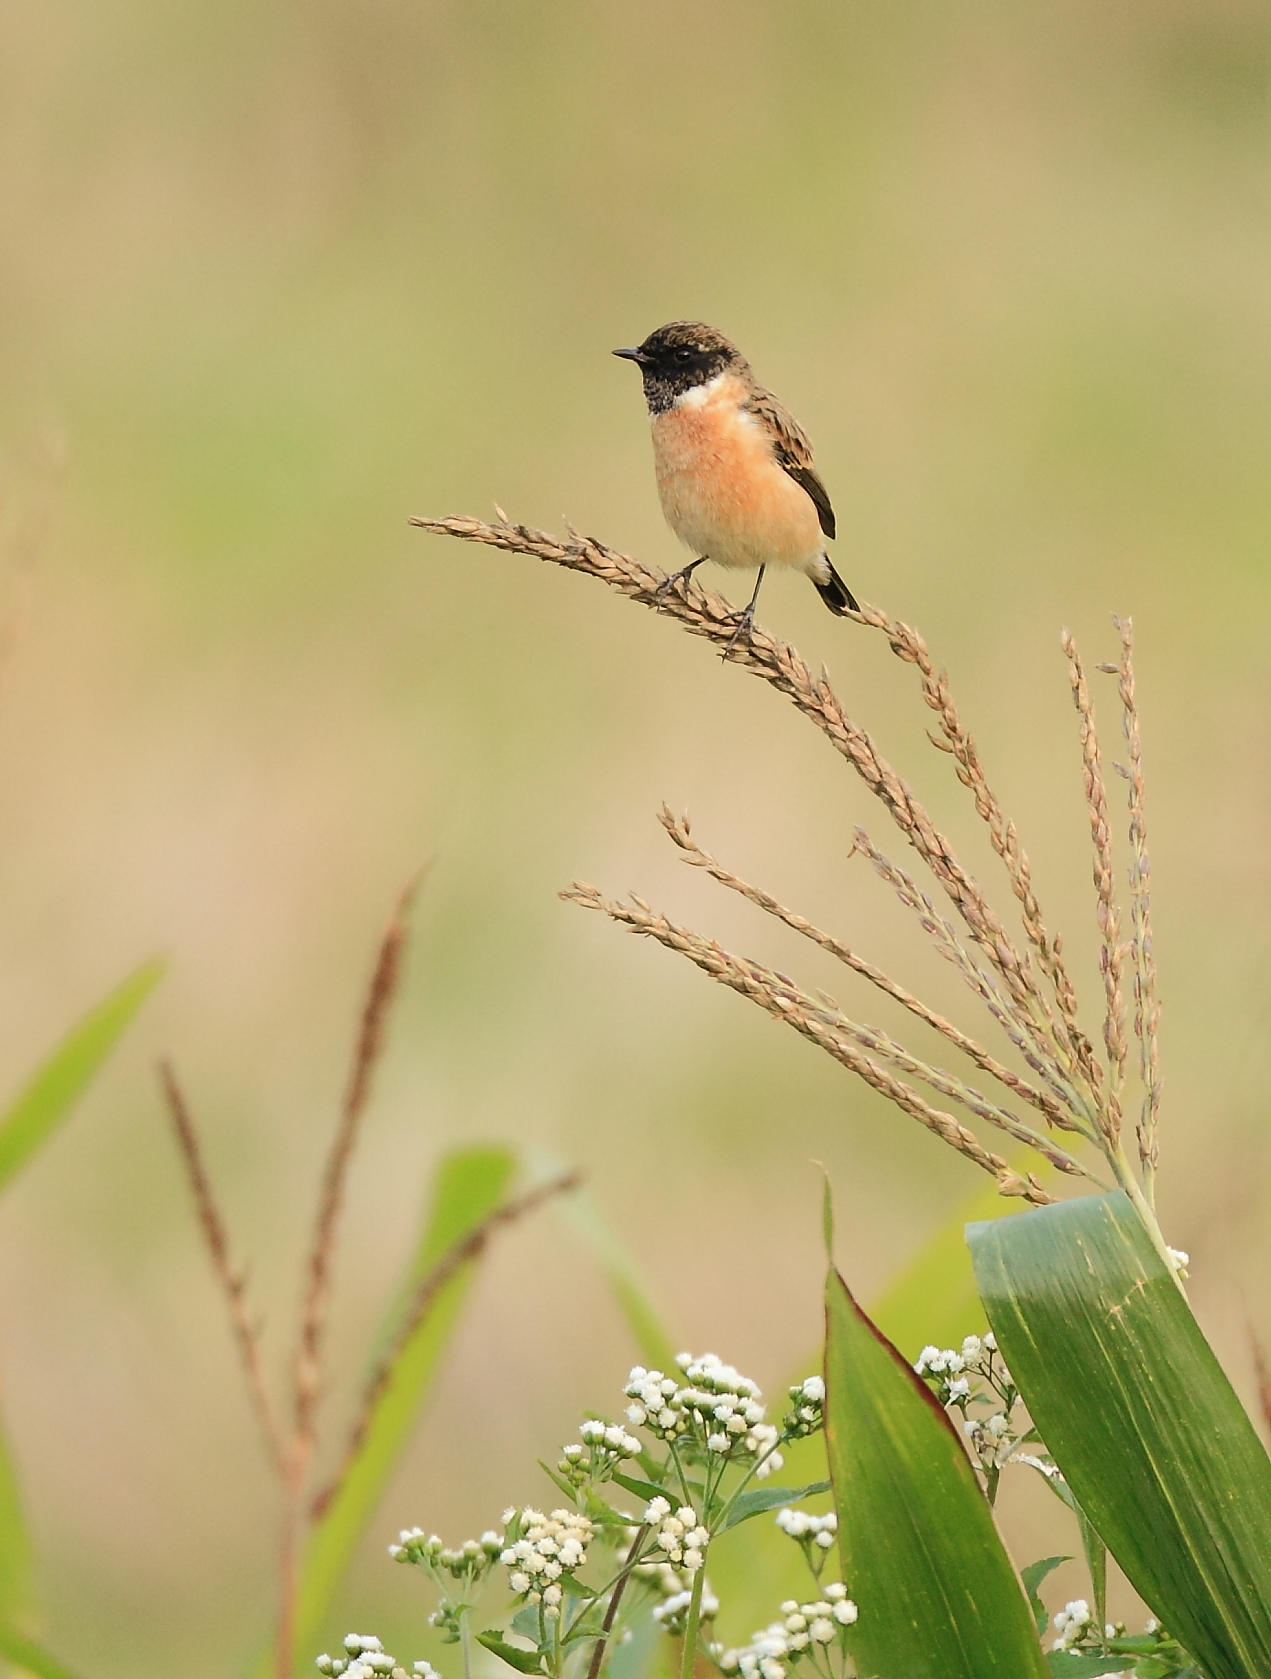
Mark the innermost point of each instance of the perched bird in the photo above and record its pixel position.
(734, 469)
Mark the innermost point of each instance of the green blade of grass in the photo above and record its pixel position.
(585, 1219)
(62, 1079)
(1137, 1413)
(28, 1122)
(937, 1595)
(468, 1186)
(15, 1541)
(29, 1657)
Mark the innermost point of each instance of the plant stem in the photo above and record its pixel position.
(1130, 1184)
(465, 1643)
(289, 1561)
(692, 1624)
(611, 1613)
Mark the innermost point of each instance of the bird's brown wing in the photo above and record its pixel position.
(793, 451)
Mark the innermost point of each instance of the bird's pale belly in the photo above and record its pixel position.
(725, 496)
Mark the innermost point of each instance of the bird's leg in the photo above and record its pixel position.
(668, 583)
(745, 618)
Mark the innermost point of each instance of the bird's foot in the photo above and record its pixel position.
(681, 577)
(745, 625)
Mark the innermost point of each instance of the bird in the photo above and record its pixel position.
(734, 468)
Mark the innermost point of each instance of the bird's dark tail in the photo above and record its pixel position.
(835, 593)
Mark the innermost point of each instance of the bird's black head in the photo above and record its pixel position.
(678, 357)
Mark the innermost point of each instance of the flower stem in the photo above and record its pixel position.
(692, 1624)
(611, 1614)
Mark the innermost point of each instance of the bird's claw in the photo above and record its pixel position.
(745, 626)
(681, 577)
(666, 585)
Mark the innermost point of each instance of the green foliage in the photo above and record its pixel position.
(64, 1076)
(469, 1185)
(1140, 1418)
(524, 1661)
(938, 1597)
(30, 1657)
(934, 1297)
(15, 1542)
(1032, 1576)
(763, 1499)
(27, 1124)
(585, 1219)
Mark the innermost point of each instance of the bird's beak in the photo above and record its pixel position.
(632, 355)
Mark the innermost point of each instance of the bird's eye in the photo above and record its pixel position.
(684, 353)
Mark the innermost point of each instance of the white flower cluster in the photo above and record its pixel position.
(808, 1415)
(677, 1593)
(715, 1405)
(543, 1551)
(1072, 1623)
(680, 1536)
(367, 1659)
(979, 1354)
(426, 1551)
(802, 1625)
(809, 1529)
(605, 1447)
(993, 1439)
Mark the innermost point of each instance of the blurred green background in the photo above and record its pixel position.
(276, 276)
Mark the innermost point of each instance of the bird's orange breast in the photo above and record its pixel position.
(722, 489)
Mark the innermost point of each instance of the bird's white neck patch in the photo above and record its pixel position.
(700, 395)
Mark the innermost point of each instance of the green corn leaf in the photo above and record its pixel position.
(469, 1185)
(29, 1657)
(58, 1084)
(1140, 1418)
(932, 1298)
(585, 1219)
(937, 1595)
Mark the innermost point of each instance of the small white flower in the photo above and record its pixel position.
(845, 1612)
(814, 1389)
(822, 1630)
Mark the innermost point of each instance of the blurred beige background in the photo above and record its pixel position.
(274, 277)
